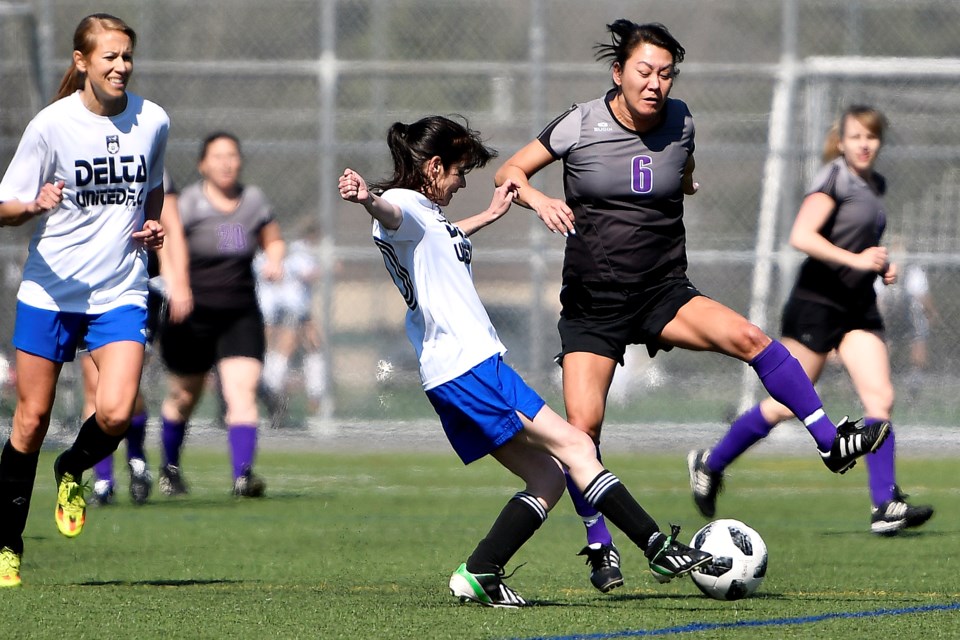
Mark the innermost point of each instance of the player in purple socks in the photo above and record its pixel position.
(833, 306)
(627, 165)
(225, 222)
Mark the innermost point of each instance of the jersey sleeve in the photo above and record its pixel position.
(561, 135)
(826, 181)
(29, 169)
(159, 152)
(411, 225)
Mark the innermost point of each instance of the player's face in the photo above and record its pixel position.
(108, 67)
(645, 80)
(448, 181)
(859, 146)
(221, 164)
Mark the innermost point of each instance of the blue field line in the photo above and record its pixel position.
(775, 622)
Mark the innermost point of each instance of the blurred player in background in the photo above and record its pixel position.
(909, 313)
(89, 168)
(627, 164)
(290, 328)
(169, 296)
(225, 223)
(484, 406)
(833, 305)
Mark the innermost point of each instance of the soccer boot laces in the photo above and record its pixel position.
(71, 510)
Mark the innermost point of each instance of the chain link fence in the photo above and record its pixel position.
(312, 86)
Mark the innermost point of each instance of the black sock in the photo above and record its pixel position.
(91, 446)
(611, 498)
(17, 474)
(519, 520)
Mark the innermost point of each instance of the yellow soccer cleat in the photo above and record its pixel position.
(9, 568)
(71, 510)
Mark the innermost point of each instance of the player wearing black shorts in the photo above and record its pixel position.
(225, 223)
(627, 165)
(833, 306)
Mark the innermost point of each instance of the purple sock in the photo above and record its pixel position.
(136, 434)
(172, 434)
(103, 470)
(881, 468)
(243, 446)
(787, 383)
(597, 531)
(746, 431)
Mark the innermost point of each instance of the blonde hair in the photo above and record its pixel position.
(85, 41)
(872, 119)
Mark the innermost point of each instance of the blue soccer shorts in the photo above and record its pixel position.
(55, 335)
(478, 409)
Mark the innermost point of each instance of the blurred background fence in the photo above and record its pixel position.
(312, 86)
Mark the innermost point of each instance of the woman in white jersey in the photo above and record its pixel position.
(484, 406)
(89, 168)
(833, 306)
(627, 165)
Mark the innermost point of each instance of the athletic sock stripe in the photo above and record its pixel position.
(532, 502)
(599, 487)
(813, 417)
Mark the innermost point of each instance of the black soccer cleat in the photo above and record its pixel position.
(854, 439)
(705, 484)
(171, 481)
(671, 559)
(895, 515)
(140, 480)
(604, 561)
(249, 485)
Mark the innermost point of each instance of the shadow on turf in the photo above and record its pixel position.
(153, 583)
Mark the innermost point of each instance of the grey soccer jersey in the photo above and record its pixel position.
(624, 188)
(856, 223)
(222, 246)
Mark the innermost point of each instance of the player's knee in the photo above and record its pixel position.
(749, 340)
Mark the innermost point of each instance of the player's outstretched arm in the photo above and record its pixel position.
(503, 197)
(353, 188)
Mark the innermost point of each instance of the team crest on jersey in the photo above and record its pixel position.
(113, 144)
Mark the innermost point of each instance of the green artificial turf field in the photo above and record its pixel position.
(361, 546)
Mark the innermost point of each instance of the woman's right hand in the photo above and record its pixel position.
(49, 198)
(555, 214)
(353, 188)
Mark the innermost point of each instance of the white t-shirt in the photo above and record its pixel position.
(82, 258)
(429, 261)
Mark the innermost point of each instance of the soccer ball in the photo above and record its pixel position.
(739, 560)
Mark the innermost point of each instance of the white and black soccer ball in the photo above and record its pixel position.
(739, 560)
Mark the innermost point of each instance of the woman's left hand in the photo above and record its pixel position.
(151, 236)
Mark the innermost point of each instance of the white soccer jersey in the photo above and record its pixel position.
(429, 260)
(82, 258)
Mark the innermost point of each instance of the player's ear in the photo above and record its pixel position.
(79, 62)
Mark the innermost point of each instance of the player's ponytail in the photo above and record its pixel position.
(85, 41)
